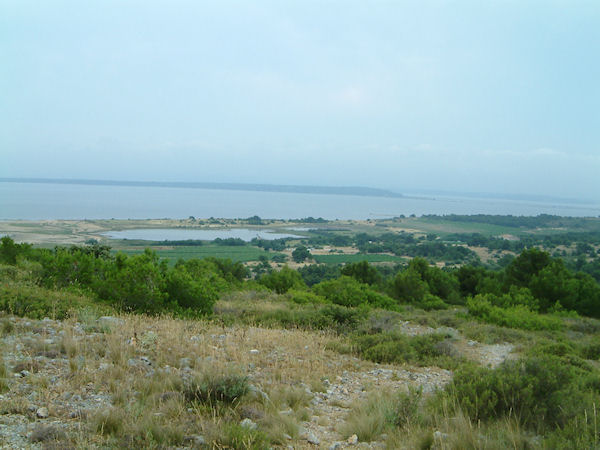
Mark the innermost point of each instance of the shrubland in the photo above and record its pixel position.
(545, 395)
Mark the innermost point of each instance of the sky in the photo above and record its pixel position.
(490, 96)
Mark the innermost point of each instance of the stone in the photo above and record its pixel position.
(249, 423)
(438, 435)
(352, 440)
(310, 437)
(42, 412)
(335, 446)
(254, 351)
(195, 439)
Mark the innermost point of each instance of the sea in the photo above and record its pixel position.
(47, 201)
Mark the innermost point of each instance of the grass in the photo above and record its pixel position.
(444, 227)
(235, 253)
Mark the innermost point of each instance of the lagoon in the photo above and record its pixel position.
(170, 234)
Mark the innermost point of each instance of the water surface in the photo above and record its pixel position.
(38, 201)
(170, 234)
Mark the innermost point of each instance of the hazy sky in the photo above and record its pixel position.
(482, 95)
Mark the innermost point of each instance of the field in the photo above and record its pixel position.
(235, 253)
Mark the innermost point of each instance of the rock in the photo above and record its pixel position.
(438, 435)
(78, 414)
(42, 412)
(195, 439)
(352, 440)
(254, 351)
(335, 446)
(310, 437)
(248, 423)
(43, 433)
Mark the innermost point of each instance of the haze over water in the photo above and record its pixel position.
(36, 201)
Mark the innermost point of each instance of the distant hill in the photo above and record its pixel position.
(295, 189)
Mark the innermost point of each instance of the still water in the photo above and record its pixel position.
(170, 234)
(38, 201)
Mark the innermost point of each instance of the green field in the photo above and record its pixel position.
(235, 253)
(444, 227)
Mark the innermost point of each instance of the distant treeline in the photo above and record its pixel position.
(540, 221)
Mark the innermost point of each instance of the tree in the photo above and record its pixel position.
(363, 272)
(283, 280)
(300, 254)
(409, 287)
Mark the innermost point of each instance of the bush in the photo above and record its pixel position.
(304, 297)
(346, 291)
(196, 295)
(37, 302)
(136, 283)
(431, 302)
(512, 317)
(283, 280)
(541, 391)
(396, 348)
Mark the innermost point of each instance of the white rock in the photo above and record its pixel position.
(310, 437)
(352, 440)
(42, 412)
(254, 351)
(247, 423)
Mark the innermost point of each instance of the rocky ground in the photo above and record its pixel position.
(60, 375)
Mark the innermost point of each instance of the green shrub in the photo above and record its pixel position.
(194, 294)
(313, 317)
(591, 351)
(541, 391)
(346, 291)
(398, 348)
(37, 302)
(513, 317)
(304, 297)
(432, 302)
(283, 280)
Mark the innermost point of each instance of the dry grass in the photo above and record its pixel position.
(140, 369)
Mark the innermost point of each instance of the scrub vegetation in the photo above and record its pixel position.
(452, 351)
